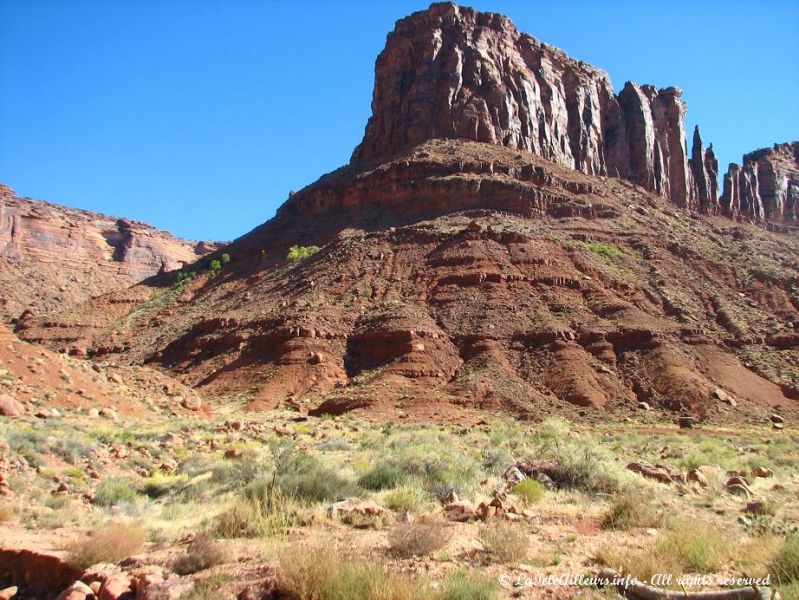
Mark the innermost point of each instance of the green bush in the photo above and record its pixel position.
(115, 490)
(382, 476)
(529, 490)
(224, 259)
(215, 266)
(408, 498)
(301, 252)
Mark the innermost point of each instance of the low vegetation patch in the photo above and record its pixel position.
(382, 477)
(630, 510)
(418, 539)
(785, 564)
(507, 542)
(202, 553)
(529, 490)
(110, 543)
(115, 490)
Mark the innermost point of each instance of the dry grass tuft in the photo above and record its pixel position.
(202, 553)
(418, 539)
(110, 543)
(629, 510)
(507, 542)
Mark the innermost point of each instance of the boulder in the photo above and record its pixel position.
(117, 587)
(460, 511)
(762, 472)
(10, 406)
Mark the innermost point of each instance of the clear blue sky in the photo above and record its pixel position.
(200, 116)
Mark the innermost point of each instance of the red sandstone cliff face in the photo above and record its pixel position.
(51, 254)
(766, 187)
(453, 72)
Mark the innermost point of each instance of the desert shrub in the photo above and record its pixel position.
(215, 266)
(225, 258)
(435, 460)
(259, 510)
(115, 490)
(71, 450)
(529, 490)
(579, 463)
(318, 574)
(382, 476)
(334, 444)
(110, 543)
(408, 498)
(159, 484)
(302, 477)
(418, 539)
(463, 585)
(27, 443)
(785, 564)
(202, 553)
(301, 252)
(629, 510)
(507, 542)
(699, 548)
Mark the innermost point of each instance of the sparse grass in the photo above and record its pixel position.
(418, 539)
(463, 585)
(115, 490)
(319, 574)
(630, 510)
(202, 553)
(529, 490)
(641, 564)
(785, 564)
(110, 543)
(507, 542)
(698, 547)
(260, 510)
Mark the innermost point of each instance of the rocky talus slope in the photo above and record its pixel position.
(52, 255)
(509, 235)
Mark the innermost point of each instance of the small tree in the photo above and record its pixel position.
(302, 252)
(216, 266)
(224, 259)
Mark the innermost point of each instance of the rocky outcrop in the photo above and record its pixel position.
(453, 72)
(52, 254)
(705, 169)
(766, 187)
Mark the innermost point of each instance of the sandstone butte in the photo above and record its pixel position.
(511, 234)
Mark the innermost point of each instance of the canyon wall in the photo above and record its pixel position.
(51, 254)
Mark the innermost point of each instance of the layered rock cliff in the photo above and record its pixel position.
(51, 254)
(453, 72)
(765, 187)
